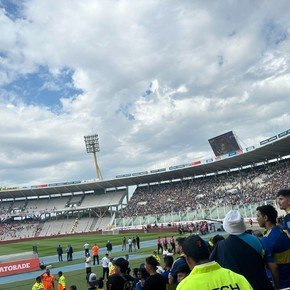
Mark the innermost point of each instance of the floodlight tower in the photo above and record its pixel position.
(92, 146)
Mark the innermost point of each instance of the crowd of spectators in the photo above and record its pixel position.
(13, 230)
(247, 186)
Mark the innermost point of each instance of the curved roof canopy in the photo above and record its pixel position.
(270, 151)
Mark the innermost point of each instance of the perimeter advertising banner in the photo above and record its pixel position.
(20, 263)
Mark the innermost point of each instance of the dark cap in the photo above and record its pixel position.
(196, 248)
(122, 263)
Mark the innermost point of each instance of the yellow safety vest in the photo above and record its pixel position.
(212, 276)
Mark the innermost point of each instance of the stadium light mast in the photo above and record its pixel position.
(92, 146)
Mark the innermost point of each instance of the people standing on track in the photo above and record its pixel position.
(69, 252)
(47, 280)
(61, 285)
(165, 243)
(159, 245)
(138, 242)
(59, 251)
(38, 284)
(86, 248)
(88, 264)
(109, 247)
(172, 244)
(130, 243)
(134, 243)
(124, 244)
(95, 252)
(105, 264)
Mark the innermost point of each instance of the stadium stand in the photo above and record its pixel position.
(184, 194)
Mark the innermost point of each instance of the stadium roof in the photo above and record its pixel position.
(274, 150)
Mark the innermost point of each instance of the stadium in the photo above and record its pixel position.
(163, 200)
(241, 178)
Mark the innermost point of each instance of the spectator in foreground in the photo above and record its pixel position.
(92, 281)
(205, 274)
(100, 283)
(182, 272)
(178, 262)
(283, 199)
(277, 247)
(142, 275)
(120, 280)
(241, 252)
(155, 280)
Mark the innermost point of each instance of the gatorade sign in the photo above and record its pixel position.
(16, 267)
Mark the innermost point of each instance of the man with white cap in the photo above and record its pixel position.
(241, 252)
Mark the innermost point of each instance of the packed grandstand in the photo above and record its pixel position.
(198, 190)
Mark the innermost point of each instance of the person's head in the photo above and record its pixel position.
(121, 265)
(100, 282)
(216, 239)
(92, 280)
(142, 274)
(266, 215)
(73, 287)
(168, 262)
(47, 271)
(179, 244)
(38, 279)
(233, 223)
(151, 265)
(59, 273)
(154, 253)
(107, 255)
(182, 272)
(127, 257)
(135, 272)
(196, 251)
(283, 199)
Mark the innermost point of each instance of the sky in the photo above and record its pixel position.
(154, 79)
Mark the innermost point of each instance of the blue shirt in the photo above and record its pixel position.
(286, 222)
(277, 250)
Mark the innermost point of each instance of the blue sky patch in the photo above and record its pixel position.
(43, 88)
(13, 8)
(125, 111)
(274, 33)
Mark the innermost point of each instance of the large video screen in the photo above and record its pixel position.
(223, 144)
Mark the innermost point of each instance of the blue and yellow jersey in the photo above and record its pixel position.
(277, 250)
